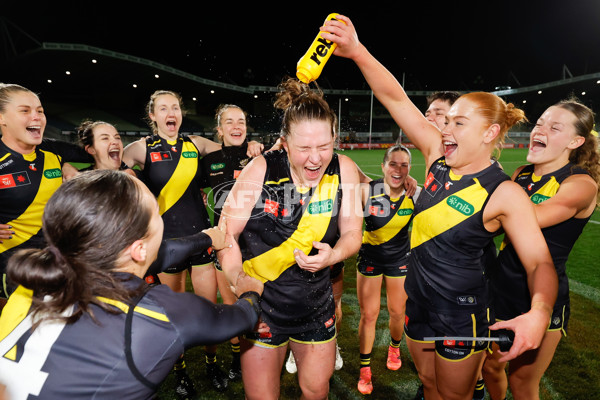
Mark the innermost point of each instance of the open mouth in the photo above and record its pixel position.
(312, 172)
(115, 155)
(171, 125)
(397, 178)
(537, 144)
(449, 148)
(34, 130)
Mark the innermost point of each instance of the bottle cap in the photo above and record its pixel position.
(303, 75)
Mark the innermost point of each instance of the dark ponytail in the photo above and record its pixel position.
(88, 222)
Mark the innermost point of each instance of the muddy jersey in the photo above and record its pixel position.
(172, 173)
(511, 292)
(87, 359)
(220, 170)
(284, 219)
(386, 237)
(449, 240)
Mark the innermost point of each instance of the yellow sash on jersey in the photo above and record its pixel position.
(312, 227)
(542, 194)
(448, 213)
(29, 222)
(545, 192)
(180, 180)
(15, 311)
(394, 225)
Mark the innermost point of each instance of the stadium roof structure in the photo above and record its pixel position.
(71, 76)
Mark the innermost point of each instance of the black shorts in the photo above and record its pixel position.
(559, 320)
(421, 323)
(370, 269)
(206, 257)
(322, 334)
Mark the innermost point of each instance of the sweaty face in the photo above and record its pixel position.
(107, 149)
(552, 137)
(232, 127)
(395, 169)
(167, 115)
(436, 113)
(309, 146)
(23, 122)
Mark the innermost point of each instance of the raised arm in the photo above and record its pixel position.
(386, 88)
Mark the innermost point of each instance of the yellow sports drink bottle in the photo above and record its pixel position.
(311, 64)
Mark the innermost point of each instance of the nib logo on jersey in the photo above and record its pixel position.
(13, 180)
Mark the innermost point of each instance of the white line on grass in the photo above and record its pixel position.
(589, 292)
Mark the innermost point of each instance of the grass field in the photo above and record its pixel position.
(573, 374)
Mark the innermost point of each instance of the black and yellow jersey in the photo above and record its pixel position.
(510, 281)
(220, 169)
(282, 220)
(26, 183)
(449, 240)
(172, 172)
(86, 359)
(386, 236)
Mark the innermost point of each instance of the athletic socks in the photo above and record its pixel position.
(211, 358)
(365, 360)
(235, 371)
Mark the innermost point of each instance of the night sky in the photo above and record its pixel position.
(457, 45)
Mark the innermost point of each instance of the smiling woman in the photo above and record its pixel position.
(562, 181)
(103, 142)
(171, 168)
(289, 236)
(31, 170)
(467, 201)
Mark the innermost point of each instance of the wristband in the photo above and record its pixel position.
(253, 298)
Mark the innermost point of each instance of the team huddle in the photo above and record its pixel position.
(120, 239)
